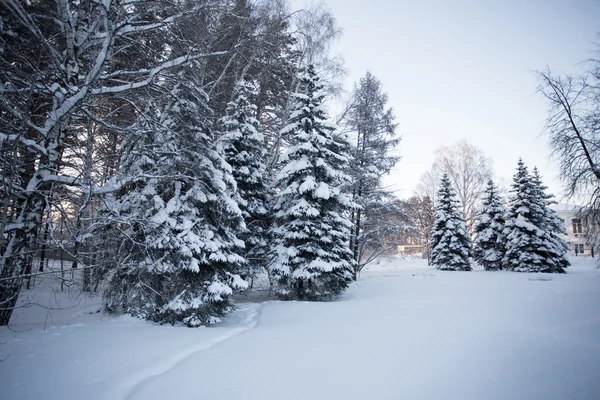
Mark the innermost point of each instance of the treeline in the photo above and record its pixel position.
(172, 149)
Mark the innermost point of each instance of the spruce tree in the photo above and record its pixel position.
(171, 226)
(243, 147)
(530, 229)
(521, 233)
(488, 246)
(450, 243)
(556, 248)
(312, 260)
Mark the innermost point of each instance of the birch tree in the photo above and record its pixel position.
(66, 54)
(469, 171)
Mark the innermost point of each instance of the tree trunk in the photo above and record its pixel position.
(18, 254)
(9, 293)
(356, 243)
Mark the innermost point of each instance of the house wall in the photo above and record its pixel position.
(572, 237)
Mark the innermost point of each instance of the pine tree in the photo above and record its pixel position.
(530, 232)
(312, 260)
(172, 224)
(243, 147)
(488, 246)
(450, 243)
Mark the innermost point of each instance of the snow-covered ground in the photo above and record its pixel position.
(404, 331)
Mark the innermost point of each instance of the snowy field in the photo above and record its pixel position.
(404, 331)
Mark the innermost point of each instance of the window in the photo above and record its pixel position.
(579, 249)
(577, 228)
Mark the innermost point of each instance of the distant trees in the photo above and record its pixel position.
(524, 238)
(387, 222)
(450, 243)
(467, 168)
(312, 260)
(420, 213)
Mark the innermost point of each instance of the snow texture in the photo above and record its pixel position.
(412, 331)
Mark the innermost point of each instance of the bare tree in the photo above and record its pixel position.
(468, 169)
(573, 127)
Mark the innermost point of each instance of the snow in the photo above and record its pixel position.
(403, 331)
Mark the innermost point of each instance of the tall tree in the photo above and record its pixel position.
(311, 260)
(244, 150)
(488, 246)
(573, 127)
(372, 125)
(450, 243)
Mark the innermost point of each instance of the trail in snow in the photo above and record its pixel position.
(126, 389)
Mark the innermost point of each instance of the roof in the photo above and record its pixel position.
(565, 207)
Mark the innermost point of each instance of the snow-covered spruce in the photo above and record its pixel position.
(450, 243)
(556, 248)
(488, 246)
(312, 260)
(530, 230)
(243, 147)
(170, 238)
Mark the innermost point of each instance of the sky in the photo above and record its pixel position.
(465, 70)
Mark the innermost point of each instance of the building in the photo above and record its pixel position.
(576, 229)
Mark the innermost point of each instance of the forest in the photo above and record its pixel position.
(158, 145)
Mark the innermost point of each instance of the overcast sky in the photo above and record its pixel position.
(464, 70)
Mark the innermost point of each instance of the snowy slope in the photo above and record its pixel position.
(403, 331)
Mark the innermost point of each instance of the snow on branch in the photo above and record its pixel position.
(153, 72)
(6, 137)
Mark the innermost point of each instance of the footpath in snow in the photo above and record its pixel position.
(404, 331)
